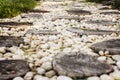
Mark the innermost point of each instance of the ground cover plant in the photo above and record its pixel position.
(11, 8)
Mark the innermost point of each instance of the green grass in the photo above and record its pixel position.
(115, 4)
(11, 8)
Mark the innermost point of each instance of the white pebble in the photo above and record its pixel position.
(105, 77)
(101, 53)
(118, 64)
(47, 65)
(2, 49)
(102, 58)
(40, 71)
(53, 37)
(93, 78)
(116, 57)
(18, 78)
(38, 77)
(64, 78)
(50, 73)
(45, 46)
(28, 76)
(115, 75)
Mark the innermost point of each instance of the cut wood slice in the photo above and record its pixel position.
(13, 68)
(9, 41)
(45, 32)
(66, 17)
(91, 31)
(112, 45)
(78, 11)
(15, 24)
(77, 64)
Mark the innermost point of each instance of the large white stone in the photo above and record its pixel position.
(2, 49)
(50, 73)
(40, 71)
(47, 65)
(105, 77)
(102, 58)
(18, 78)
(63, 78)
(28, 76)
(115, 75)
(93, 78)
(116, 57)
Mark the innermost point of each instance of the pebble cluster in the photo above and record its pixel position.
(39, 50)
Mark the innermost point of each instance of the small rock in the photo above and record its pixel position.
(46, 65)
(40, 71)
(101, 53)
(115, 75)
(102, 58)
(116, 57)
(93, 78)
(118, 64)
(28, 76)
(2, 49)
(105, 77)
(50, 73)
(18, 78)
(39, 77)
(64, 78)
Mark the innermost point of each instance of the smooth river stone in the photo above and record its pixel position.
(66, 17)
(45, 32)
(76, 64)
(9, 41)
(14, 24)
(78, 11)
(91, 31)
(101, 22)
(13, 68)
(112, 45)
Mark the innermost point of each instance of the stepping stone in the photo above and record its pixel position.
(66, 17)
(13, 68)
(76, 64)
(14, 24)
(112, 45)
(110, 12)
(78, 11)
(100, 22)
(45, 32)
(105, 8)
(32, 15)
(9, 41)
(90, 32)
(39, 11)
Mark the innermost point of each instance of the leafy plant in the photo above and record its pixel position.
(11, 8)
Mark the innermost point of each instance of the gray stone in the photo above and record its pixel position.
(66, 17)
(9, 41)
(112, 45)
(13, 68)
(75, 64)
(90, 32)
(32, 15)
(110, 12)
(14, 24)
(45, 32)
(101, 22)
(39, 11)
(78, 11)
